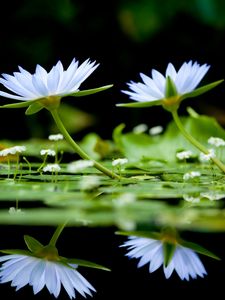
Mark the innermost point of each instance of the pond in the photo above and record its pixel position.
(154, 195)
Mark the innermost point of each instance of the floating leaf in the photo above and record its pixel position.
(137, 147)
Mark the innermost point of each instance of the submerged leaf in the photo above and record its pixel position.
(144, 234)
(199, 249)
(84, 263)
(168, 252)
(16, 251)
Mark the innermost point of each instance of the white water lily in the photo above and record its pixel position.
(168, 91)
(185, 80)
(42, 84)
(150, 251)
(39, 272)
(43, 90)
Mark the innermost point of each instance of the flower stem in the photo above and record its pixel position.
(77, 149)
(194, 142)
(56, 234)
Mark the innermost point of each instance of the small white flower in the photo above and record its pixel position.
(5, 152)
(216, 141)
(125, 224)
(191, 199)
(55, 137)
(184, 261)
(39, 272)
(89, 182)
(206, 157)
(192, 174)
(184, 154)
(119, 161)
(13, 211)
(12, 150)
(42, 84)
(156, 130)
(51, 168)
(18, 149)
(185, 79)
(141, 128)
(79, 165)
(48, 152)
(124, 199)
(212, 195)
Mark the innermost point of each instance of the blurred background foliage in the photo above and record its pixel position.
(126, 37)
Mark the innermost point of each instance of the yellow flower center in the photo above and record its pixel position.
(49, 253)
(51, 102)
(171, 103)
(168, 238)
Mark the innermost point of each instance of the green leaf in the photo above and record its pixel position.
(198, 249)
(94, 146)
(171, 90)
(84, 263)
(134, 146)
(201, 90)
(144, 234)
(137, 147)
(141, 104)
(91, 91)
(32, 244)
(117, 132)
(168, 252)
(34, 108)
